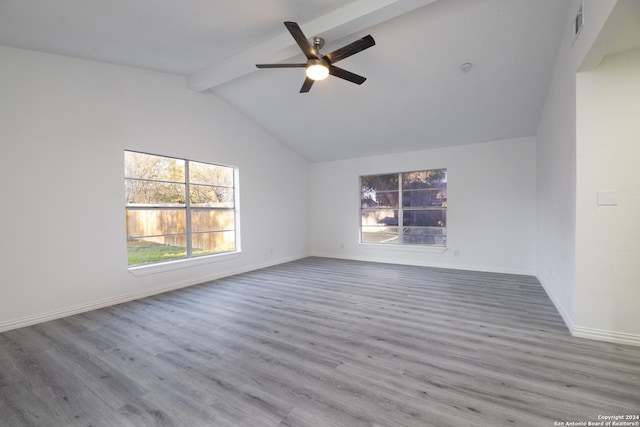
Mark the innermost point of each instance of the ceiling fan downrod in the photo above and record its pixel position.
(318, 43)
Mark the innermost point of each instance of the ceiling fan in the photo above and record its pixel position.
(318, 67)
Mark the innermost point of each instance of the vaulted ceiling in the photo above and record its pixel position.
(416, 95)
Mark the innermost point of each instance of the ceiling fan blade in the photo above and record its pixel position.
(346, 75)
(301, 39)
(306, 86)
(350, 49)
(281, 65)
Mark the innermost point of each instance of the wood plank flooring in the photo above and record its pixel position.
(319, 342)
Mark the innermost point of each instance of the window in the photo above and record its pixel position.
(178, 208)
(407, 208)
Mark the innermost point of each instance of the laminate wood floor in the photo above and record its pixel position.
(319, 342)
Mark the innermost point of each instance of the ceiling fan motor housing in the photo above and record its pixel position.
(318, 43)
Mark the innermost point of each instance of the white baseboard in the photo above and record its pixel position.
(566, 317)
(590, 333)
(577, 331)
(486, 269)
(106, 302)
(609, 336)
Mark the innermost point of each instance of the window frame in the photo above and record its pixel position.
(189, 259)
(401, 210)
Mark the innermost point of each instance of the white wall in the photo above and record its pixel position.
(556, 164)
(490, 215)
(564, 262)
(64, 124)
(607, 237)
(556, 182)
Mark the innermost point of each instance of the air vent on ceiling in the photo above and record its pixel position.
(578, 22)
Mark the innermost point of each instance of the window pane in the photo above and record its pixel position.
(208, 196)
(211, 243)
(379, 182)
(156, 249)
(154, 222)
(425, 236)
(379, 217)
(205, 173)
(384, 199)
(436, 178)
(425, 218)
(212, 220)
(148, 166)
(380, 235)
(379, 190)
(424, 198)
(154, 193)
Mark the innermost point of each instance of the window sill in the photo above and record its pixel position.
(406, 248)
(144, 270)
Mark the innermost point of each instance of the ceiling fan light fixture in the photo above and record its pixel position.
(317, 69)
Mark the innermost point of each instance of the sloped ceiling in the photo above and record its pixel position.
(628, 37)
(416, 95)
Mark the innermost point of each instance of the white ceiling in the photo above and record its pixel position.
(629, 36)
(416, 95)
